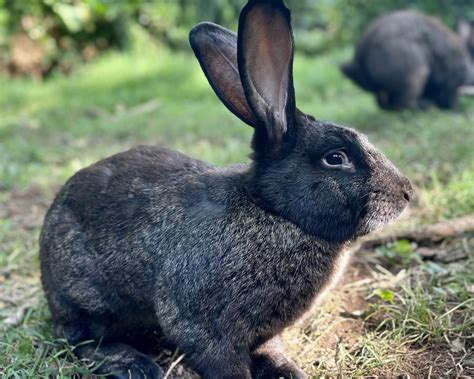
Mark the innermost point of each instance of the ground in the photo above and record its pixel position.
(398, 310)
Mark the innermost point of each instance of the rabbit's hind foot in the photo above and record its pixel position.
(120, 361)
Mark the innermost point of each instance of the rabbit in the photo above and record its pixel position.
(410, 60)
(219, 261)
(466, 32)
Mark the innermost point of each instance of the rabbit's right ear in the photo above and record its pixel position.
(215, 48)
(265, 50)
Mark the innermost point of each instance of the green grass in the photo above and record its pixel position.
(49, 130)
(429, 307)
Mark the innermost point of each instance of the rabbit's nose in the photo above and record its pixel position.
(407, 189)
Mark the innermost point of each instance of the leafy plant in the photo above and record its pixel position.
(399, 253)
(47, 34)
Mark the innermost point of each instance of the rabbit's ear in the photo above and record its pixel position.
(265, 50)
(215, 48)
(464, 30)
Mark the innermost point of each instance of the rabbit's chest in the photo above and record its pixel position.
(316, 279)
(300, 287)
(333, 276)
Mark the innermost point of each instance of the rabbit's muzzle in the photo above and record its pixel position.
(386, 203)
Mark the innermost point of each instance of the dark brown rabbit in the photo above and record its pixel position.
(409, 60)
(218, 260)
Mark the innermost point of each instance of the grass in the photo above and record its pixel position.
(414, 319)
(406, 317)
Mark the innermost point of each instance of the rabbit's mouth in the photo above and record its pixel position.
(381, 209)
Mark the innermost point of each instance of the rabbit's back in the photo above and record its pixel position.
(405, 56)
(99, 241)
(406, 37)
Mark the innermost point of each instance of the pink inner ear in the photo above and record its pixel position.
(228, 79)
(216, 50)
(464, 30)
(269, 51)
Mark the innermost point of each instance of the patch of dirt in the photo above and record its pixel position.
(25, 207)
(18, 294)
(19, 279)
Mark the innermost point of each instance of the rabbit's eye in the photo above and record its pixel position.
(337, 159)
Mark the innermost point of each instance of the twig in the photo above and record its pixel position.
(466, 90)
(173, 365)
(429, 233)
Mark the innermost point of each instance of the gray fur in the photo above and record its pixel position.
(409, 59)
(218, 260)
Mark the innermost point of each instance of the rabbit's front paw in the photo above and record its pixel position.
(139, 368)
(264, 366)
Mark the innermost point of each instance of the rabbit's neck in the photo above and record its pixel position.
(300, 269)
(280, 266)
(309, 271)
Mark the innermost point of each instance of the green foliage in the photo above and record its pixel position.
(454, 198)
(29, 350)
(385, 295)
(399, 253)
(428, 307)
(41, 35)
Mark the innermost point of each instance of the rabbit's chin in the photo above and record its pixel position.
(373, 224)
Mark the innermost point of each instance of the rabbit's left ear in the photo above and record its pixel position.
(265, 50)
(215, 48)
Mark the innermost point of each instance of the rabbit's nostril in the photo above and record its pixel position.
(406, 195)
(407, 189)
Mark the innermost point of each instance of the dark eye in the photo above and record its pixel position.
(337, 158)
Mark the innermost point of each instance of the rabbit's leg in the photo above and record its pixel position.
(213, 353)
(398, 100)
(120, 361)
(406, 97)
(406, 90)
(425, 103)
(221, 363)
(269, 361)
(445, 97)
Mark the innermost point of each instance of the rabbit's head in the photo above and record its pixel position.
(327, 179)
(466, 33)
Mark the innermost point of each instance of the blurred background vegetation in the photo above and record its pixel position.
(38, 37)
